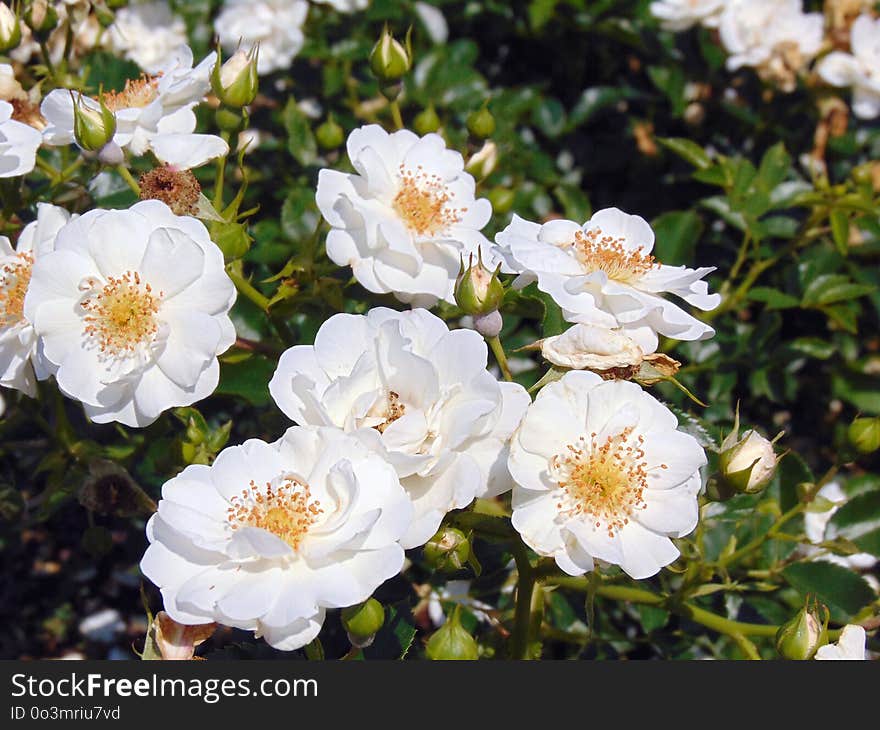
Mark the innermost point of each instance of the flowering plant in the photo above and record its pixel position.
(364, 329)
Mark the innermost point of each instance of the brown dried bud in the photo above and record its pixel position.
(178, 189)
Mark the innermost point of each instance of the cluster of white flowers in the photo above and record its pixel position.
(779, 40)
(147, 33)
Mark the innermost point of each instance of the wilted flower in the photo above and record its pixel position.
(271, 535)
(132, 309)
(176, 641)
(421, 394)
(603, 273)
(276, 25)
(859, 69)
(850, 646)
(406, 218)
(590, 347)
(601, 472)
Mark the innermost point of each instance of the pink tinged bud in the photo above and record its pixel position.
(179, 641)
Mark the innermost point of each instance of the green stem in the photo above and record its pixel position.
(498, 351)
(756, 544)
(247, 289)
(53, 174)
(526, 587)
(396, 115)
(44, 49)
(126, 175)
(219, 182)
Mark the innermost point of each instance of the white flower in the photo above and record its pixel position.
(132, 308)
(600, 472)
(603, 273)
(153, 113)
(271, 535)
(590, 347)
(422, 396)
(458, 592)
(275, 24)
(18, 144)
(20, 366)
(345, 6)
(861, 69)
(147, 33)
(850, 645)
(407, 216)
(678, 15)
(773, 36)
(817, 530)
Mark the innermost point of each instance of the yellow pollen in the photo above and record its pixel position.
(122, 316)
(287, 510)
(14, 279)
(597, 252)
(137, 93)
(423, 202)
(603, 482)
(394, 409)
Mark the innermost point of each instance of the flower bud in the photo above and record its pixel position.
(478, 290)
(864, 434)
(229, 120)
(235, 82)
(481, 123)
(426, 121)
(41, 17)
(451, 641)
(330, 134)
(93, 128)
(111, 154)
(483, 163)
(10, 29)
(178, 641)
(489, 325)
(363, 621)
(747, 464)
(448, 550)
(799, 638)
(389, 59)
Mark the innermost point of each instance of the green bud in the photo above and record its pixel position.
(93, 128)
(451, 641)
(41, 17)
(481, 123)
(229, 120)
(864, 434)
(478, 290)
(501, 198)
(330, 134)
(10, 29)
(389, 60)
(799, 638)
(235, 82)
(104, 15)
(363, 621)
(448, 550)
(426, 121)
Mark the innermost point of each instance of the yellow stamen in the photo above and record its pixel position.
(597, 252)
(122, 316)
(423, 202)
(14, 279)
(137, 93)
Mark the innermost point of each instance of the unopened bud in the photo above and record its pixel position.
(178, 641)
(229, 120)
(363, 621)
(10, 29)
(451, 641)
(864, 434)
(489, 325)
(111, 154)
(389, 59)
(478, 290)
(235, 82)
(481, 123)
(449, 550)
(426, 121)
(330, 134)
(483, 163)
(799, 638)
(747, 465)
(92, 127)
(41, 17)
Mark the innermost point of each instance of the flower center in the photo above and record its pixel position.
(422, 201)
(605, 482)
(597, 252)
(122, 315)
(287, 510)
(14, 279)
(394, 409)
(137, 93)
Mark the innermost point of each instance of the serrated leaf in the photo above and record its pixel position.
(843, 591)
(858, 517)
(396, 635)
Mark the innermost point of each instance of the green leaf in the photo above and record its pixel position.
(840, 230)
(774, 167)
(773, 298)
(248, 380)
(859, 517)
(652, 618)
(677, 234)
(828, 289)
(300, 139)
(844, 592)
(396, 635)
(687, 150)
(861, 391)
(813, 347)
